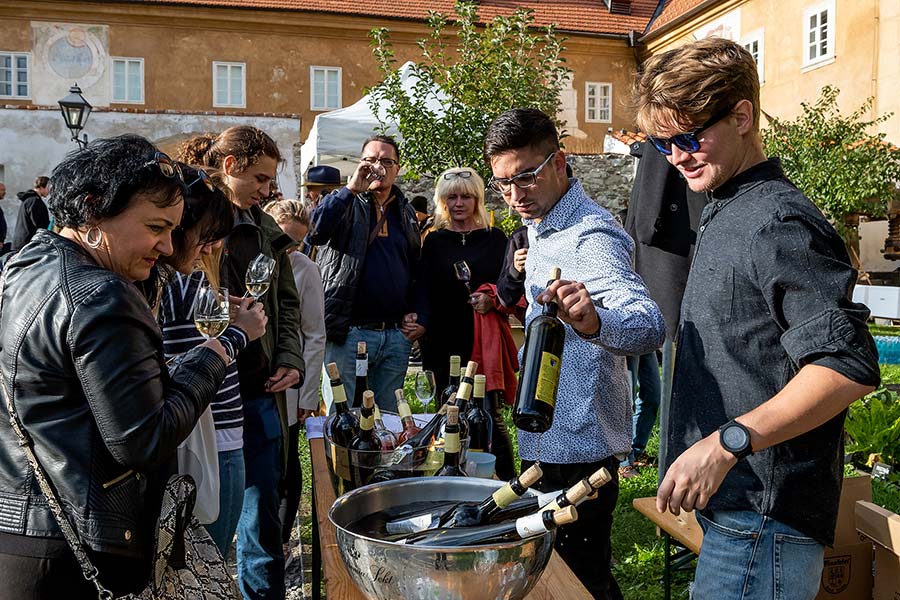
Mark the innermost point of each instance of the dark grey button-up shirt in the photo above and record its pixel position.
(769, 291)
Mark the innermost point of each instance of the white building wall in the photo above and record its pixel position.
(32, 142)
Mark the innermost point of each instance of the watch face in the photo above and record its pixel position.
(734, 438)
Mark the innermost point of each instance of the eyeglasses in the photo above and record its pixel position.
(523, 181)
(168, 167)
(455, 174)
(385, 162)
(687, 142)
(204, 177)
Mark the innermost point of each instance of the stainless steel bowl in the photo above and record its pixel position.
(390, 571)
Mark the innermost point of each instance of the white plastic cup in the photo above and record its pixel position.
(480, 464)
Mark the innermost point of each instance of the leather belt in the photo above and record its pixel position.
(378, 325)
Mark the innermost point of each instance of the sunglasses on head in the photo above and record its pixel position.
(168, 167)
(204, 177)
(455, 174)
(688, 142)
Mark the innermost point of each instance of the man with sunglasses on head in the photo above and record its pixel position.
(771, 348)
(607, 312)
(369, 249)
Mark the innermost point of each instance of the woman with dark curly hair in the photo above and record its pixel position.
(82, 362)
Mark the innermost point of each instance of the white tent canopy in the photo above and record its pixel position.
(336, 137)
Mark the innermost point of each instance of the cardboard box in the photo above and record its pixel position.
(847, 573)
(853, 490)
(883, 527)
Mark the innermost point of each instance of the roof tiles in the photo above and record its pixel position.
(671, 11)
(582, 16)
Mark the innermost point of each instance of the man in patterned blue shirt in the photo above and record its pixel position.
(608, 313)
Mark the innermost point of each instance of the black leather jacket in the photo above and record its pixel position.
(82, 356)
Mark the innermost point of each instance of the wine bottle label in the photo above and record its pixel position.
(412, 525)
(362, 367)
(451, 443)
(531, 525)
(504, 496)
(548, 378)
(340, 460)
(338, 393)
(367, 423)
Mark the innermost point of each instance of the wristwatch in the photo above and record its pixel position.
(735, 438)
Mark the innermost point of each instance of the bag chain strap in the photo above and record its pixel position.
(89, 571)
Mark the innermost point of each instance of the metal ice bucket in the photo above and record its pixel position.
(391, 571)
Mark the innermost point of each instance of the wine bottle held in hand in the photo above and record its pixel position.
(451, 446)
(539, 374)
(519, 529)
(343, 427)
(365, 445)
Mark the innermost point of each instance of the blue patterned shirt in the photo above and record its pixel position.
(593, 418)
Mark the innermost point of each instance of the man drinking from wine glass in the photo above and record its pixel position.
(771, 348)
(608, 314)
(369, 247)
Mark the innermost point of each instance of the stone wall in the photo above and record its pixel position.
(607, 178)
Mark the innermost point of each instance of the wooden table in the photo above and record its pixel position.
(557, 582)
(684, 529)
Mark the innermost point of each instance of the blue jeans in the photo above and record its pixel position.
(259, 555)
(388, 361)
(645, 377)
(231, 499)
(748, 556)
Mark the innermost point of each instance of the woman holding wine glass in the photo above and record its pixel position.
(461, 254)
(190, 307)
(81, 363)
(267, 367)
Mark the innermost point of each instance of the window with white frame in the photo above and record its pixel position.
(229, 85)
(325, 88)
(598, 102)
(14, 77)
(754, 43)
(128, 80)
(818, 33)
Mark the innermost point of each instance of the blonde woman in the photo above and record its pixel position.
(461, 233)
(293, 218)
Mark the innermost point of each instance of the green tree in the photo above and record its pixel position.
(474, 72)
(836, 161)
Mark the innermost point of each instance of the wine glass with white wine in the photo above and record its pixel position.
(211, 310)
(425, 388)
(259, 274)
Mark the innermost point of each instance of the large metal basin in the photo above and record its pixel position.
(390, 571)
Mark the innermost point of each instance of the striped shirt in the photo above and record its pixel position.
(180, 335)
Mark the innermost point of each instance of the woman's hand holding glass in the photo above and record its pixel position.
(249, 316)
(481, 302)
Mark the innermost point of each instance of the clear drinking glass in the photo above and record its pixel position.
(259, 274)
(376, 171)
(211, 310)
(463, 273)
(425, 388)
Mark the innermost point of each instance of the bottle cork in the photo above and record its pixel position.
(578, 492)
(360, 347)
(471, 368)
(531, 475)
(368, 399)
(599, 478)
(555, 274)
(565, 515)
(333, 371)
(452, 415)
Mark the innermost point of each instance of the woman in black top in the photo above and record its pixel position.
(461, 233)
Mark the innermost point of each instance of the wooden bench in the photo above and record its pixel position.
(558, 582)
(684, 529)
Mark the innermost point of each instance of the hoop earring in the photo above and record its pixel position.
(93, 237)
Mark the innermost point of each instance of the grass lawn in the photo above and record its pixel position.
(637, 551)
